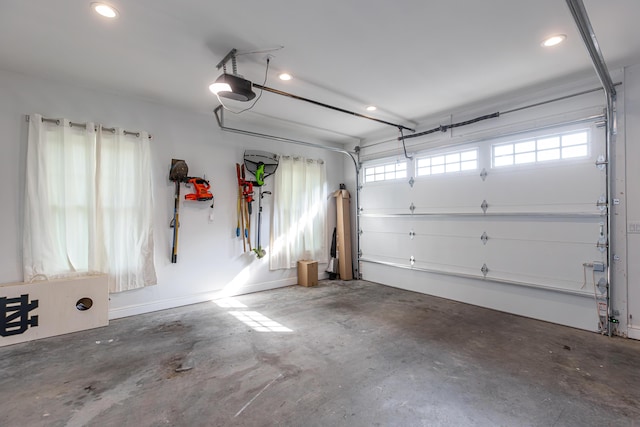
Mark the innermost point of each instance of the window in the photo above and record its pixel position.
(88, 206)
(447, 163)
(298, 222)
(536, 150)
(385, 172)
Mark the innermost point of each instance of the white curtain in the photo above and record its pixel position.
(88, 204)
(125, 208)
(298, 221)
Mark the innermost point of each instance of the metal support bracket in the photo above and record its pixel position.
(602, 285)
(484, 270)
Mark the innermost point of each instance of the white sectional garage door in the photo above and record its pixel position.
(515, 223)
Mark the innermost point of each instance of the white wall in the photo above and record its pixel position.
(632, 138)
(210, 258)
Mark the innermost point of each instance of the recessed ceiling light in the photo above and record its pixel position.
(104, 10)
(285, 76)
(554, 40)
(371, 108)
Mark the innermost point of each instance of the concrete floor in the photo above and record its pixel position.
(358, 354)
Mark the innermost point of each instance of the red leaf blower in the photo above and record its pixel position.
(201, 187)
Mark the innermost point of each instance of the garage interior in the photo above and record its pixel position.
(453, 185)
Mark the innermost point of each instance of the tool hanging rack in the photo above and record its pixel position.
(262, 165)
(244, 205)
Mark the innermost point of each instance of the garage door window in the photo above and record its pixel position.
(550, 147)
(446, 163)
(385, 172)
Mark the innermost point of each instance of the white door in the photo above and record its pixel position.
(516, 224)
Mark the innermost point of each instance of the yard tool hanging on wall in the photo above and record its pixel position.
(261, 164)
(178, 173)
(245, 198)
(201, 187)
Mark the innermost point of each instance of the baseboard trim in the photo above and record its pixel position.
(132, 310)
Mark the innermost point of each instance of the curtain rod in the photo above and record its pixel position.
(84, 126)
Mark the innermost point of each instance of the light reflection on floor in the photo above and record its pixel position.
(255, 320)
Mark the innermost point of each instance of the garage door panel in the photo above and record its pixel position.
(461, 194)
(447, 226)
(398, 225)
(385, 198)
(388, 245)
(551, 230)
(541, 261)
(576, 229)
(537, 191)
(450, 251)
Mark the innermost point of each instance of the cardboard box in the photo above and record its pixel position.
(343, 227)
(308, 273)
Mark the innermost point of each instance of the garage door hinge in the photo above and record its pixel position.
(412, 234)
(601, 163)
(360, 232)
(484, 270)
(484, 238)
(412, 207)
(484, 206)
(602, 203)
(411, 182)
(412, 260)
(602, 245)
(483, 174)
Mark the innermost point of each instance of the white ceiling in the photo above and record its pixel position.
(411, 58)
